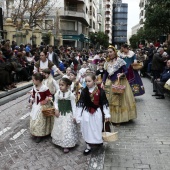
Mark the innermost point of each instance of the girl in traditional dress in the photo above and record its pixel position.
(122, 106)
(76, 87)
(89, 112)
(133, 76)
(50, 82)
(64, 133)
(39, 125)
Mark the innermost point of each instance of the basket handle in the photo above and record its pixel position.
(105, 126)
(118, 80)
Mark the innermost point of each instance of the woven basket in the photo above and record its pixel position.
(109, 136)
(166, 86)
(137, 66)
(48, 110)
(118, 89)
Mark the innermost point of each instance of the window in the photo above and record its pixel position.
(48, 24)
(93, 25)
(90, 23)
(67, 25)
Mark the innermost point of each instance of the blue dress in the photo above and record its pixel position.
(133, 75)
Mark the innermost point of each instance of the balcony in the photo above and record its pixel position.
(108, 10)
(107, 28)
(108, 15)
(68, 32)
(108, 3)
(75, 14)
(108, 22)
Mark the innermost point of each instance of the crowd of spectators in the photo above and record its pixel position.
(18, 63)
(156, 63)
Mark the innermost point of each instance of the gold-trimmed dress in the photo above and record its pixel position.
(39, 124)
(122, 106)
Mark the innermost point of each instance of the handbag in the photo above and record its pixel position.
(109, 136)
(118, 89)
(138, 65)
(167, 85)
(48, 109)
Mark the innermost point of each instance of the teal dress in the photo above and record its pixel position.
(133, 77)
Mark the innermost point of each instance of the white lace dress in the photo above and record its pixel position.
(65, 133)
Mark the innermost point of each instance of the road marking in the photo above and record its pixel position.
(18, 134)
(4, 130)
(25, 116)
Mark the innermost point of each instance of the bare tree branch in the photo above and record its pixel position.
(32, 10)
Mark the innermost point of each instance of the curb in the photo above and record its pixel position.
(18, 92)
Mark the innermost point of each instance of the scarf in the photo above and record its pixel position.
(112, 68)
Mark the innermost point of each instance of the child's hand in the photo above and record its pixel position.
(43, 102)
(107, 119)
(57, 114)
(74, 120)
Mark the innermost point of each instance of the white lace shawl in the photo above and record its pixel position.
(111, 69)
(130, 54)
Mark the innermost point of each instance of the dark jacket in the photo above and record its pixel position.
(165, 76)
(158, 62)
(55, 59)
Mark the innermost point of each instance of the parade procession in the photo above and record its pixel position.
(82, 87)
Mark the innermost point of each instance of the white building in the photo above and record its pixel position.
(135, 29)
(142, 12)
(73, 22)
(93, 15)
(108, 7)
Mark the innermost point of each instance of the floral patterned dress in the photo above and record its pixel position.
(65, 133)
(39, 124)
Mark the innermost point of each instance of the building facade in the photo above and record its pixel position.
(135, 29)
(119, 29)
(142, 12)
(108, 4)
(73, 21)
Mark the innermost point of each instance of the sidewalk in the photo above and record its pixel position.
(143, 143)
(20, 86)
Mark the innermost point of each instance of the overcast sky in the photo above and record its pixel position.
(133, 13)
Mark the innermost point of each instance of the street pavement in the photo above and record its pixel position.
(143, 143)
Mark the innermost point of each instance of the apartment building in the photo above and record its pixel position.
(74, 22)
(94, 16)
(108, 4)
(142, 12)
(119, 29)
(135, 29)
(101, 16)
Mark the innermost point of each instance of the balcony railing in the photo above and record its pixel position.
(108, 3)
(108, 22)
(108, 15)
(74, 12)
(108, 9)
(68, 32)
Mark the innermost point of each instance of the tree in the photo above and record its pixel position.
(138, 38)
(134, 41)
(99, 38)
(31, 10)
(157, 18)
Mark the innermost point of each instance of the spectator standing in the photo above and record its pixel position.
(52, 56)
(158, 63)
